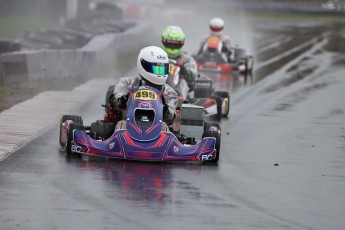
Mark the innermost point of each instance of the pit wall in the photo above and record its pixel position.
(95, 59)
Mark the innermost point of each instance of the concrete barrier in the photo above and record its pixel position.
(14, 68)
(98, 57)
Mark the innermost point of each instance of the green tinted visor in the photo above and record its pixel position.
(155, 68)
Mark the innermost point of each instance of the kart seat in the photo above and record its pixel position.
(122, 125)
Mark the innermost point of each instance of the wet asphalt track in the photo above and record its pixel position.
(281, 166)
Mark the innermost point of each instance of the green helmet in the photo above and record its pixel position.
(173, 40)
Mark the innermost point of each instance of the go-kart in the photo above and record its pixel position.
(142, 135)
(212, 59)
(215, 103)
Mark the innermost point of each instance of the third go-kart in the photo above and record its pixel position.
(142, 135)
(216, 103)
(212, 59)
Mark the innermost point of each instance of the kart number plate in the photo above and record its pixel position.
(145, 95)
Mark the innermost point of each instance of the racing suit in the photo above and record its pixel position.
(188, 69)
(226, 49)
(124, 85)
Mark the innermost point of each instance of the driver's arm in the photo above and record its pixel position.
(190, 71)
(171, 99)
(121, 90)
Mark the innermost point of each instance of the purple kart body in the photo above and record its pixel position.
(141, 138)
(165, 147)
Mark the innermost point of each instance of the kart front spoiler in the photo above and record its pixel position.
(164, 148)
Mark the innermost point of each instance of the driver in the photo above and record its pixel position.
(172, 42)
(152, 64)
(216, 30)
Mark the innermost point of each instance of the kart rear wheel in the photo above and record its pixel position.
(72, 127)
(74, 118)
(225, 97)
(217, 135)
(218, 100)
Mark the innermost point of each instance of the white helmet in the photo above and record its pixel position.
(153, 65)
(216, 25)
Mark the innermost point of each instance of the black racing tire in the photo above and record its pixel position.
(218, 116)
(217, 135)
(225, 97)
(72, 127)
(74, 118)
(219, 108)
(108, 94)
(207, 126)
(102, 129)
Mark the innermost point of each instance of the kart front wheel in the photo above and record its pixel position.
(225, 104)
(75, 119)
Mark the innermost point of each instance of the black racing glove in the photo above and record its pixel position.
(120, 102)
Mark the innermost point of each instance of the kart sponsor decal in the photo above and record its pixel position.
(79, 149)
(111, 145)
(145, 95)
(176, 149)
(161, 57)
(206, 157)
(144, 87)
(145, 105)
(204, 84)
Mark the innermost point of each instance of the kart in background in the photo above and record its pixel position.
(142, 135)
(211, 59)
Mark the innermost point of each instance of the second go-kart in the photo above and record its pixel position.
(142, 135)
(216, 103)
